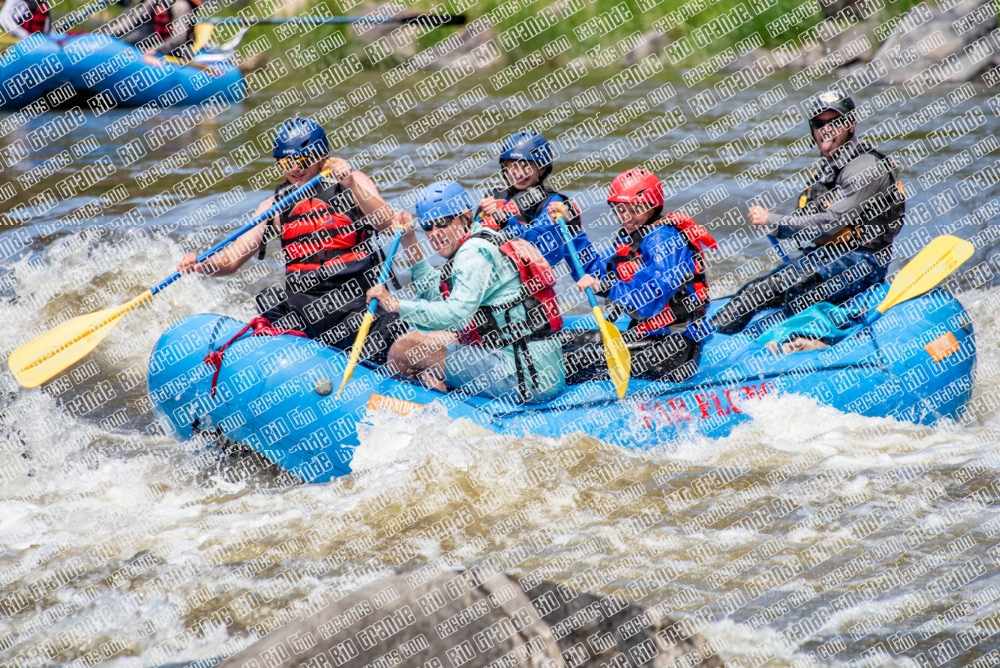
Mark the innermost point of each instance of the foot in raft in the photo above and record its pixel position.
(797, 345)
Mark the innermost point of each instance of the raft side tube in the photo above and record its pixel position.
(916, 364)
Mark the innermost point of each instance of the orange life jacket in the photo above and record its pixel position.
(538, 297)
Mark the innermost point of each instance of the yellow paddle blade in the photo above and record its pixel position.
(202, 33)
(617, 355)
(359, 342)
(932, 265)
(48, 355)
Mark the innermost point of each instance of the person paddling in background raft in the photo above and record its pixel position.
(327, 246)
(487, 322)
(21, 18)
(846, 221)
(172, 21)
(527, 208)
(656, 273)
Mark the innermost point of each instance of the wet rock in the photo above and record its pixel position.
(595, 630)
(931, 45)
(475, 619)
(746, 60)
(651, 42)
(402, 44)
(797, 59)
(475, 44)
(858, 44)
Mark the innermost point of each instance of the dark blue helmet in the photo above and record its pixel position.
(529, 146)
(300, 136)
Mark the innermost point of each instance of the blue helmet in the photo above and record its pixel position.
(529, 146)
(442, 199)
(300, 136)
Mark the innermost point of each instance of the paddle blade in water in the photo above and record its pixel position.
(932, 265)
(615, 352)
(359, 342)
(48, 355)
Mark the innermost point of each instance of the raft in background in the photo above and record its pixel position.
(273, 393)
(97, 64)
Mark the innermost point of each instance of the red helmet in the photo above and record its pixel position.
(636, 185)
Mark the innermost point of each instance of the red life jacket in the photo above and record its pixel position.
(162, 21)
(538, 297)
(38, 19)
(324, 232)
(690, 301)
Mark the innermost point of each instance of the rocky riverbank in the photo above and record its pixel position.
(477, 619)
(953, 41)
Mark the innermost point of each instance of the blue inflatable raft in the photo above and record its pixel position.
(97, 64)
(273, 392)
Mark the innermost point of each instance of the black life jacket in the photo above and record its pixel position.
(542, 319)
(880, 221)
(38, 19)
(690, 301)
(323, 234)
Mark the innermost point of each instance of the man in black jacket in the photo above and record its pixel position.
(845, 223)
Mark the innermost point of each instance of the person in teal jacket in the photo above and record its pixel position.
(477, 329)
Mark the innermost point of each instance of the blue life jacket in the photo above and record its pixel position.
(542, 232)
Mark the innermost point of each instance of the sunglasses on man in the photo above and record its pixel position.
(303, 161)
(439, 223)
(817, 124)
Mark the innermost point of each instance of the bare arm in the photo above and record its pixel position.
(370, 202)
(410, 246)
(365, 193)
(233, 256)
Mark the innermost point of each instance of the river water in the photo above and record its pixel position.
(121, 547)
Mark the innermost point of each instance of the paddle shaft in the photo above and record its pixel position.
(777, 248)
(383, 275)
(366, 322)
(273, 209)
(433, 20)
(571, 252)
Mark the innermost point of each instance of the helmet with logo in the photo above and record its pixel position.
(830, 100)
(529, 146)
(636, 185)
(300, 136)
(442, 199)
